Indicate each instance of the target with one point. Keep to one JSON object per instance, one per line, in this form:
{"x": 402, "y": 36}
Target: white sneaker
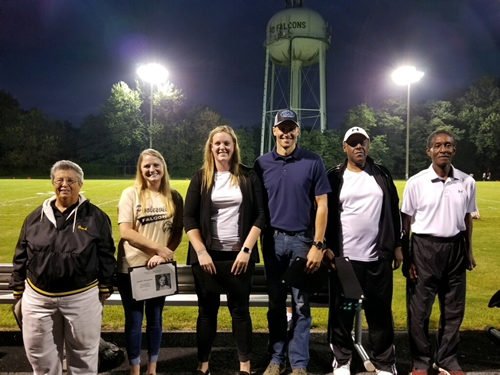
{"x": 343, "y": 370}
{"x": 380, "y": 372}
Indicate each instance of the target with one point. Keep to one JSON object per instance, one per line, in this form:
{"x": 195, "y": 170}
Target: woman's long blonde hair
{"x": 209, "y": 161}
{"x": 142, "y": 188}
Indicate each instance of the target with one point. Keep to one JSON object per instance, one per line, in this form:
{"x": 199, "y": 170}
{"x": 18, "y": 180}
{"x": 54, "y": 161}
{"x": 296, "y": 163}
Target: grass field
{"x": 19, "y": 197}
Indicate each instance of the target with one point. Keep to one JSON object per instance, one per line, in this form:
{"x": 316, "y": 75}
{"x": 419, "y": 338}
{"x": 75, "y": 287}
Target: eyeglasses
{"x": 69, "y": 181}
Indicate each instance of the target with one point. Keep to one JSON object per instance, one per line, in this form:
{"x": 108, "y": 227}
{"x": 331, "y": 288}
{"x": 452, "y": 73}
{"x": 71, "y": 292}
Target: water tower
{"x": 297, "y": 39}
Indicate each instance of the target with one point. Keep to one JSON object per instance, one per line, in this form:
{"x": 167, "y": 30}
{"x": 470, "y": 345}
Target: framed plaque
{"x": 154, "y": 282}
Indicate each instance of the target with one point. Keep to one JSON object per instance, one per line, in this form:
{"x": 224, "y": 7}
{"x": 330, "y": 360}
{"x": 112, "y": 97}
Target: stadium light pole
{"x": 154, "y": 74}
{"x": 406, "y": 75}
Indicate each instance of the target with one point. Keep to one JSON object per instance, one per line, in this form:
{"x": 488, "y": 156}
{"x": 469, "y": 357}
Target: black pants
{"x": 441, "y": 265}
{"x": 375, "y": 279}
{"x": 208, "y": 308}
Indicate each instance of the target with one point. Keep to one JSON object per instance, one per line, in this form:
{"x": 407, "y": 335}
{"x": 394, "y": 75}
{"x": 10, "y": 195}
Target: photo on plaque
{"x": 153, "y": 282}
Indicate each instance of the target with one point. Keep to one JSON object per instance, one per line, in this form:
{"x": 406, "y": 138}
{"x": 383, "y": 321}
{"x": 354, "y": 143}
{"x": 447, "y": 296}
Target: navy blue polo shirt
{"x": 291, "y": 184}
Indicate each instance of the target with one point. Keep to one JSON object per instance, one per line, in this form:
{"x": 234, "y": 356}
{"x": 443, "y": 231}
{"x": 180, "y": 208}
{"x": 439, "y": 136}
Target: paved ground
{"x": 479, "y": 355}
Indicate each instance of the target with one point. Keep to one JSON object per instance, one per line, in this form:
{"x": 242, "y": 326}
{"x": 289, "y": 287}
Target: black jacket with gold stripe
{"x": 66, "y": 260}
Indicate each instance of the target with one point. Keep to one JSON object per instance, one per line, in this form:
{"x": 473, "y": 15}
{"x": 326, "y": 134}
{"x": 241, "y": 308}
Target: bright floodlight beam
{"x": 154, "y": 74}
{"x": 406, "y": 75}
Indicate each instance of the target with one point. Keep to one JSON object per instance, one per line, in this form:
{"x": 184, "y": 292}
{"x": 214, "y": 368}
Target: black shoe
{"x": 242, "y": 373}
{"x": 199, "y": 372}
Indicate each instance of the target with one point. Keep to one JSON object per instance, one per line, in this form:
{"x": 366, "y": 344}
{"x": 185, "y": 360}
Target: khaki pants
{"x": 51, "y": 323}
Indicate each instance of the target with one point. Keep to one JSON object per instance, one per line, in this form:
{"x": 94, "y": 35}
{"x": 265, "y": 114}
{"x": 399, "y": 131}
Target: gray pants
{"x": 52, "y": 323}
{"x": 441, "y": 265}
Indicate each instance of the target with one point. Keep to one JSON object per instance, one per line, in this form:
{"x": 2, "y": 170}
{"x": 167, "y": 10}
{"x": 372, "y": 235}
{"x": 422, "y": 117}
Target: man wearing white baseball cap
{"x": 364, "y": 224}
{"x": 355, "y": 130}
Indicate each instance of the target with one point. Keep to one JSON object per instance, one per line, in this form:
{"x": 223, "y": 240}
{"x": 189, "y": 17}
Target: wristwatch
{"x": 320, "y": 245}
{"x": 246, "y": 250}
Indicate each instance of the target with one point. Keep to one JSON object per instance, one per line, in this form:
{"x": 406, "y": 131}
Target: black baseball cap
{"x": 285, "y": 115}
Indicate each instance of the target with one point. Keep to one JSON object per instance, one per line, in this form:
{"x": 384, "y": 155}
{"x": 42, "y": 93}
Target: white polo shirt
{"x": 436, "y": 206}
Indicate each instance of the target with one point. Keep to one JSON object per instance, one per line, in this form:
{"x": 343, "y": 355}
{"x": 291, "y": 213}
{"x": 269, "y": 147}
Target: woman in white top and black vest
{"x": 223, "y": 217}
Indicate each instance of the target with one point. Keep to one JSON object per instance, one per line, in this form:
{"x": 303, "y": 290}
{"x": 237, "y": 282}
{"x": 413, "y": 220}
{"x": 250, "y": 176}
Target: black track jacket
{"x": 68, "y": 260}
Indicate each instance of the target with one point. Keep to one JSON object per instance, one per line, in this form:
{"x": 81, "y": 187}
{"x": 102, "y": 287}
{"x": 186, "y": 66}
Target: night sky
{"x": 63, "y": 56}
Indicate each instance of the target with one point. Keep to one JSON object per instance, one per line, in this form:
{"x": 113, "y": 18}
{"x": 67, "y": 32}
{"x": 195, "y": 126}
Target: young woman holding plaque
{"x": 150, "y": 220}
{"x": 223, "y": 218}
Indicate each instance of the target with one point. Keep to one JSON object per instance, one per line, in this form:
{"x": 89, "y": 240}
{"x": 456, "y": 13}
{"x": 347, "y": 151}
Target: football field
{"x": 19, "y": 197}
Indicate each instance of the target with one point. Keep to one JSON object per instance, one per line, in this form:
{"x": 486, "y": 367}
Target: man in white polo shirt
{"x": 437, "y": 203}
{"x": 364, "y": 224}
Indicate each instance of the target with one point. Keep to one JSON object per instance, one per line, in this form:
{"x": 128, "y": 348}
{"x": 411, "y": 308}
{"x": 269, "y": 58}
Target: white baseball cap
{"x": 355, "y": 130}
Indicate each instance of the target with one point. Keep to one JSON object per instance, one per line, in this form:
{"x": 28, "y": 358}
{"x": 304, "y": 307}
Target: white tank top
{"x": 225, "y": 213}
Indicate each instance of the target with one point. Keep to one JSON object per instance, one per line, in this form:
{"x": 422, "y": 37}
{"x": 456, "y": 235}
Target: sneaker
{"x": 299, "y": 371}
{"x": 419, "y": 371}
{"x": 343, "y": 370}
{"x": 381, "y": 372}
{"x": 442, "y": 371}
{"x": 274, "y": 369}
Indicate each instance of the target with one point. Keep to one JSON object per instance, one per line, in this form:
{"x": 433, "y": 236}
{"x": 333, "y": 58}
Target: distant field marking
{"x": 487, "y": 200}
{"x": 37, "y": 195}
{"x": 104, "y": 203}
{"x": 82, "y": 192}
{"x": 22, "y": 199}
{"x": 100, "y": 186}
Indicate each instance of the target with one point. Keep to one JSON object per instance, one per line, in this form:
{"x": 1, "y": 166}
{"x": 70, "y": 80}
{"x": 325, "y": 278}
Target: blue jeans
{"x": 134, "y": 314}
{"x": 279, "y": 251}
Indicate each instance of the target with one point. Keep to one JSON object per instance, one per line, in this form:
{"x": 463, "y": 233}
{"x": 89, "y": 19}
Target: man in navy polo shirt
{"x": 437, "y": 206}
{"x": 295, "y": 196}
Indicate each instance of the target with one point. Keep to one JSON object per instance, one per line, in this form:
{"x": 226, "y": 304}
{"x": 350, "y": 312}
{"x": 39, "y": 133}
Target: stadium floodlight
{"x": 154, "y": 74}
{"x": 406, "y": 75}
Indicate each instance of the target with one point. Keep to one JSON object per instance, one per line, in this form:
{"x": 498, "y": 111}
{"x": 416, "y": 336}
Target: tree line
{"x": 108, "y": 143}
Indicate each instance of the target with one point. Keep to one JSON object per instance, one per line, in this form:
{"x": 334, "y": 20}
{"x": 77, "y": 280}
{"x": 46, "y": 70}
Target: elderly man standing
{"x": 295, "y": 189}
{"x": 437, "y": 203}
{"x": 363, "y": 224}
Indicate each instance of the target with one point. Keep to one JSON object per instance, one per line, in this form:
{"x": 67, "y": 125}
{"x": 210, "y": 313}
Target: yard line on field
{"x": 104, "y": 203}
{"x": 101, "y": 186}
{"x": 22, "y": 199}
{"x": 487, "y": 200}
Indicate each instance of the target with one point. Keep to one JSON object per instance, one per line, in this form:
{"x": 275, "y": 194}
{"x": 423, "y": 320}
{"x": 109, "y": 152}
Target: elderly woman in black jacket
{"x": 63, "y": 264}
{"x": 223, "y": 218}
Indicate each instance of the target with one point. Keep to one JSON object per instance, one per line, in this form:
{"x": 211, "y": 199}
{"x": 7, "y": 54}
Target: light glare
{"x": 406, "y": 75}
{"x": 152, "y": 73}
